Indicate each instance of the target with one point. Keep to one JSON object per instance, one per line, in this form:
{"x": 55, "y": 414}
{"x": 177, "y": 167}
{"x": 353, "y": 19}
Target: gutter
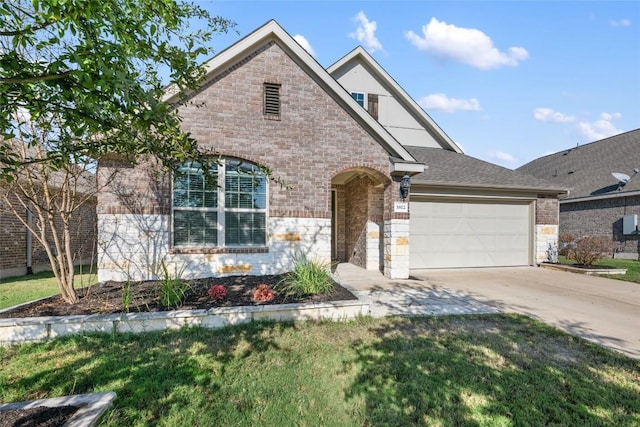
{"x": 29, "y": 242}
{"x": 603, "y": 197}
{"x": 545, "y": 190}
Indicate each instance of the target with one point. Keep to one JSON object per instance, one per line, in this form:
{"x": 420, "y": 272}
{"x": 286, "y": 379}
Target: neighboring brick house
{"x": 333, "y": 191}
{"x": 21, "y": 253}
{"x": 598, "y": 202}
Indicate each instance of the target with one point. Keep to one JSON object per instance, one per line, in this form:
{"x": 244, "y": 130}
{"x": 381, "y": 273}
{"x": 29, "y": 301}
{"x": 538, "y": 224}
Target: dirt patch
{"x": 41, "y": 416}
{"x": 107, "y": 298}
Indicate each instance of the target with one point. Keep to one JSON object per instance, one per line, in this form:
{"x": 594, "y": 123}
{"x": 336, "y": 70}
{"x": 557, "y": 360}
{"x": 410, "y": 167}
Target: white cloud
{"x": 610, "y": 116}
{"x": 302, "y": 41}
{"x": 366, "y": 33}
{"x": 620, "y": 23}
{"x": 549, "y": 115}
{"x": 503, "y": 157}
{"x": 465, "y": 45}
{"x": 600, "y": 129}
{"x": 440, "y": 101}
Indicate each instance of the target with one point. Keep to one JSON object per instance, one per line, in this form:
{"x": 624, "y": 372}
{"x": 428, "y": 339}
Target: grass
{"x": 308, "y": 277}
{"x": 20, "y": 289}
{"x": 632, "y": 266}
{"x": 497, "y": 370}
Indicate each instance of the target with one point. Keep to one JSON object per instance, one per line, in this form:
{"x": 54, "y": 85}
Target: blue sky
{"x": 508, "y": 81}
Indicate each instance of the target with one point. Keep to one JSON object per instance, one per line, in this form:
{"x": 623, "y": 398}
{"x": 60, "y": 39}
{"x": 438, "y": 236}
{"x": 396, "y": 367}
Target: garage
{"x": 469, "y": 233}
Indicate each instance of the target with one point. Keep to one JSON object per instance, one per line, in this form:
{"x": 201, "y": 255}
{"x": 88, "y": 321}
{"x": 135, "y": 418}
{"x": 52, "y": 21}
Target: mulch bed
{"x": 41, "y": 416}
{"x": 106, "y": 298}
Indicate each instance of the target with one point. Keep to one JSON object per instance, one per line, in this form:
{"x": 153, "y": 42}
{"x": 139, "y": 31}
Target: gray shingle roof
{"x": 450, "y": 168}
{"x": 586, "y": 169}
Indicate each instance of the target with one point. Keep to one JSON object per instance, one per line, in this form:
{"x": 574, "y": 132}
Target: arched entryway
{"x": 357, "y": 206}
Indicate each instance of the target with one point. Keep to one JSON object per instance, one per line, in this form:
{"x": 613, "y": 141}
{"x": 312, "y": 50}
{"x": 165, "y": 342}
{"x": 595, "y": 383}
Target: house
{"x": 20, "y": 251}
{"x": 599, "y": 203}
{"x": 358, "y": 173}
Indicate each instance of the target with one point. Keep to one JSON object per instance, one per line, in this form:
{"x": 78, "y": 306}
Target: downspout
{"x": 29, "y": 242}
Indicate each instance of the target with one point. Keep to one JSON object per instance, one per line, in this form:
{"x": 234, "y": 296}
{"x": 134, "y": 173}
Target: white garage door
{"x": 469, "y": 234}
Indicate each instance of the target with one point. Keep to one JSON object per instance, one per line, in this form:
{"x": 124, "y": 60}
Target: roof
{"x": 447, "y": 168}
{"x": 360, "y": 54}
{"x": 586, "y": 169}
{"x": 272, "y": 31}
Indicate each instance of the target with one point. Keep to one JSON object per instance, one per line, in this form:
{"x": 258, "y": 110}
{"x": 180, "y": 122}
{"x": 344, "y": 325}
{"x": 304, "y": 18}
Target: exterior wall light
{"x": 405, "y": 185}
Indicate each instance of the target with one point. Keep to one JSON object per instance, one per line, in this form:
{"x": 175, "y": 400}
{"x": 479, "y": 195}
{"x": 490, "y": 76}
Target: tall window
{"x": 226, "y": 208}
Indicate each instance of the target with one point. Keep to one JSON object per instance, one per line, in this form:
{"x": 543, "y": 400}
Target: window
{"x": 358, "y": 97}
{"x": 272, "y": 99}
{"x": 373, "y": 105}
{"x": 225, "y": 208}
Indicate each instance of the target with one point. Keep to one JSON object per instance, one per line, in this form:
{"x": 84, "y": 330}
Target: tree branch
{"x": 36, "y": 79}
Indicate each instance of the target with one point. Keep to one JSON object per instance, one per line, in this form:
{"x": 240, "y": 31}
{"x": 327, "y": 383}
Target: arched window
{"x": 226, "y": 208}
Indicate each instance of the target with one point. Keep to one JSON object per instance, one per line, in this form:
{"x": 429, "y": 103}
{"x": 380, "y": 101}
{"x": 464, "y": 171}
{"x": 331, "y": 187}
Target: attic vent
{"x": 272, "y": 100}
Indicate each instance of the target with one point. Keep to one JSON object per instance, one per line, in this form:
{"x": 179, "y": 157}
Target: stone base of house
{"x": 546, "y": 236}
{"x": 134, "y": 247}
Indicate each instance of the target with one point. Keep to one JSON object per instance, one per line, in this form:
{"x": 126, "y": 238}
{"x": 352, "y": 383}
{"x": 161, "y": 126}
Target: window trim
{"x": 221, "y": 246}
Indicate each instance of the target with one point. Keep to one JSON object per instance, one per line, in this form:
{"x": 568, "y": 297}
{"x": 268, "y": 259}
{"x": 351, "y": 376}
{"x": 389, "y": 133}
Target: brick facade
{"x": 13, "y": 241}
{"x": 602, "y": 218}
{"x": 314, "y": 140}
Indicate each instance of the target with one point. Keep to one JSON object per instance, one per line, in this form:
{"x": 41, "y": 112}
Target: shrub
{"x": 217, "y": 292}
{"x": 263, "y": 293}
{"x": 126, "y": 296}
{"x": 565, "y": 243}
{"x": 308, "y": 277}
{"x": 172, "y": 287}
{"x": 587, "y": 250}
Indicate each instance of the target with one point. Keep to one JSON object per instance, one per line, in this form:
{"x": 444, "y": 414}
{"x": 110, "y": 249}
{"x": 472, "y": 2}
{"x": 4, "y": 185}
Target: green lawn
{"x": 632, "y": 266}
{"x": 17, "y": 290}
{"x": 497, "y": 370}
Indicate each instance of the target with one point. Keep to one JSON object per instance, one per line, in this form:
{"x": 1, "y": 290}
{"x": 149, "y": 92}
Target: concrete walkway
{"x": 411, "y": 297}
{"x": 604, "y": 311}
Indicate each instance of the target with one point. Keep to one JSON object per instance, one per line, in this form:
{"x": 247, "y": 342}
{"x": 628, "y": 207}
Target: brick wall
{"x": 357, "y": 213}
{"x": 547, "y": 210}
{"x": 313, "y": 141}
{"x": 13, "y": 240}
{"x": 601, "y": 218}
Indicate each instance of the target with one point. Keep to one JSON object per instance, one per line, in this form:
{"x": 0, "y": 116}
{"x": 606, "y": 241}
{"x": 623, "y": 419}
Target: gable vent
{"x": 272, "y": 99}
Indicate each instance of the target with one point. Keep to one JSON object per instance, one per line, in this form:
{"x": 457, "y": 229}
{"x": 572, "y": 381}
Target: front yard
{"x": 632, "y": 266}
{"x": 496, "y": 370}
{"x": 21, "y": 289}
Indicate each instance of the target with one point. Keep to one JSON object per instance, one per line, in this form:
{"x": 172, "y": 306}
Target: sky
{"x": 508, "y": 81}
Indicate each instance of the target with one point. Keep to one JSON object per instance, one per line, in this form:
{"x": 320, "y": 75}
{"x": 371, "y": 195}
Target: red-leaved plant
{"x": 263, "y": 293}
{"x": 217, "y": 292}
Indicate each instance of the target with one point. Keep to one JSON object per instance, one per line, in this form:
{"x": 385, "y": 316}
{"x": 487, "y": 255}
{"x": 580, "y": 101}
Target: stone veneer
{"x": 396, "y": 248}
{"x": 140, "y": 243}
{"x": 547, "y": 219}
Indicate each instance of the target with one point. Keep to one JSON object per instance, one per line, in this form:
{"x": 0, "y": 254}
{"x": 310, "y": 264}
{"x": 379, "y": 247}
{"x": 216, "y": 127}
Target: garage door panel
{"x": 469, "y": 234}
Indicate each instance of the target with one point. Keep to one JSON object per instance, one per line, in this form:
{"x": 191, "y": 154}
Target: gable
{"x": 272, "y": 32}
{"x": 397, "y": 111}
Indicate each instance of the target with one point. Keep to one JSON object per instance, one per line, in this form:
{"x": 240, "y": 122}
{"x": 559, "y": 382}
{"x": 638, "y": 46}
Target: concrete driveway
{"x": 605, "y": 311}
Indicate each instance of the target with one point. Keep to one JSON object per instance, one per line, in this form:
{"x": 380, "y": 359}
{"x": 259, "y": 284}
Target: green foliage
{"x": 89, "y": 73}
{"x": 308, "y": 277}
{"x": 126, "y": 296}
{"x": 172, "y": 287}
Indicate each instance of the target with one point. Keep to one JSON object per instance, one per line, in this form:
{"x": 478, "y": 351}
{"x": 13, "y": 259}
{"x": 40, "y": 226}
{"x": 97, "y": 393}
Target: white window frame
{"x": 221, "y": 210}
